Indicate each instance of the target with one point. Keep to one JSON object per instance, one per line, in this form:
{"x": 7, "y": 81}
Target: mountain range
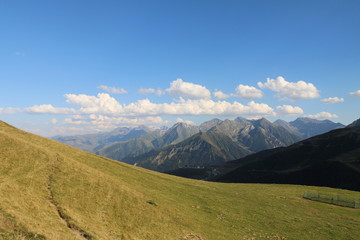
{"x": 307, "y": 127}
{"x": 227, "y": 140}
{"x": 213, "y": 142}
{"x": 331, "y": 159}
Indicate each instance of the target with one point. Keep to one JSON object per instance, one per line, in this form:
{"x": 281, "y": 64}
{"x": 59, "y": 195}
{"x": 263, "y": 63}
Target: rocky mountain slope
{"x": 147, "y": 142}
{"x": 227, "y": 140}
{"x": 213, "y": 142}
{"x": 331, "y": 159}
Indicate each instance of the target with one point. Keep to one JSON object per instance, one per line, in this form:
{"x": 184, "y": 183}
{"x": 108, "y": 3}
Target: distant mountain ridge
{"x": 212, "y": 142}
{"x": 330, "y": 159}
{"x": 309, "y": 127}
{"x": 92, "y": 142}
{"x": 226, "y": 140}
{"x": 199, "y": 150}
{"x": 147, "y": 142}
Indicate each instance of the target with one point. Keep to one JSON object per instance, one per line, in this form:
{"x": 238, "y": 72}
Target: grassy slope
{"x": 105, "y": 199}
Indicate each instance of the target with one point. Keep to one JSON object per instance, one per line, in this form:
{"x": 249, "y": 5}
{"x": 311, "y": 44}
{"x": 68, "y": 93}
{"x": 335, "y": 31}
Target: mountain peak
{"x": 205, "y": 126}
{"x": 179, "y": 125}
{"x": 242, "y": 120}
{"x": 179, "y": 132}
{"x": 261, "y": 122}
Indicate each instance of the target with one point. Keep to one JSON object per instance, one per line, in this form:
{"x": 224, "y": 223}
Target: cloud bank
{"x": 103, "y": 111}
{"x": 105, "y": 104}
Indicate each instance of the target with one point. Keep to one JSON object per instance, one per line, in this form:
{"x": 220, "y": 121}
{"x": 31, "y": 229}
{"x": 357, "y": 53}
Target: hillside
{"x": 52, "y": 191}
{"x": 331, "y": 159}
{"x": 200, "y": 150}
{"x": 261, "y": 134}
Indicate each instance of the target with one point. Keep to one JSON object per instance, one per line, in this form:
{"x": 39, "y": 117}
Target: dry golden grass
{"x": 52, "y": 191}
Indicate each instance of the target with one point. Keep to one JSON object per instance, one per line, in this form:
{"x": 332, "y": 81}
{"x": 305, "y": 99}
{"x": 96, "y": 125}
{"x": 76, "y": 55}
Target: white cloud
{"x": 102, "y": 103}
{"x": 105, "y": 104}
{"x": 180, "y": 120}
{"x": 322, "y": 115}
{"x": 181, "y": 89}
{"x": 196, "y": 107}
{"x": 220, "y": 95}
{"x": 113, "y": 89}
{"x": 355, "y": 94}
{"x": 290, "y": 90}
{"x": 49, "y": 109}
{"x": 332, "y": 100}
{"x": 288, "y": 109}
{"x": 159, "y": 92}
{"x": 248, "y": 92}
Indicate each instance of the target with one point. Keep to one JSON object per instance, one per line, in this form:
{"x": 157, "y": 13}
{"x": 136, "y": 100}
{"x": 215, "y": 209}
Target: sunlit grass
{"x": 111, "y": 200}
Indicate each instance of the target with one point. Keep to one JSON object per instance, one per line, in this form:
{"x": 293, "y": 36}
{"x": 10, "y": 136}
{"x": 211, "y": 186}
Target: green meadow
{"x": 52, "y": 191}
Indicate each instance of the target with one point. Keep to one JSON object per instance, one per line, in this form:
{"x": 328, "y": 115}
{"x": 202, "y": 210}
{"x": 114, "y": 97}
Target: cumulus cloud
{"x": 290, "y": 90}
{"x": 49, "y": 109}
{"x": 288, "y": 110}
{"x": 113, "y": 89}
{"x": 322, "y": 115}
{"x": 181, "y": 89}
{"x": 220, "y": 95}
{"x": 355, "y": 94}
{"x": 332, "y": 100}
{"x": 159, "y": 92}
{"x": 102, "y": 103}
{"x": 248, "y": 92}
{"x": 196, "y": 107}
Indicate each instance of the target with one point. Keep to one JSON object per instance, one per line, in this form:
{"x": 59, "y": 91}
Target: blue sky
{"x": 71, "y": 67}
